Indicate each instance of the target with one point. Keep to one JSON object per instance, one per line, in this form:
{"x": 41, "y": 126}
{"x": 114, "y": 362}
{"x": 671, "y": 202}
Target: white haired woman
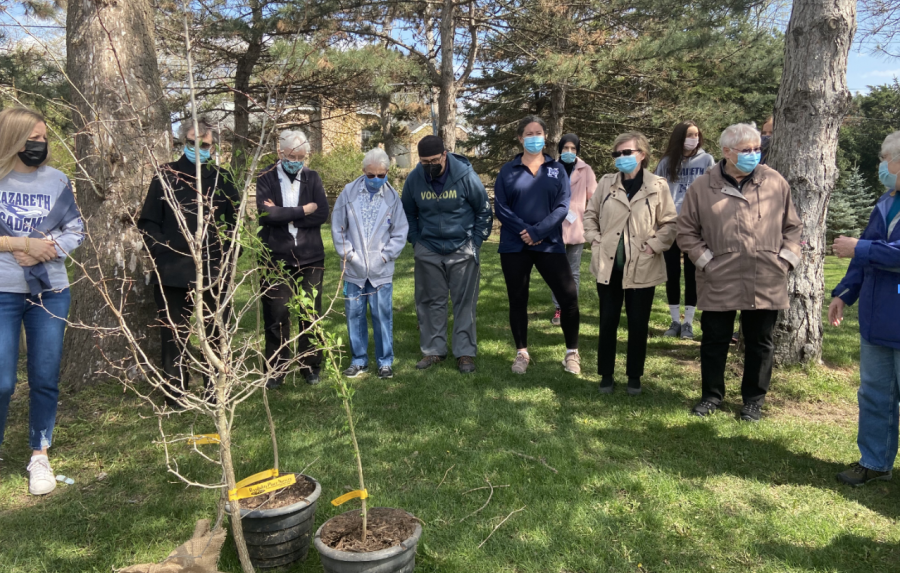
{"x": 369, "y": 230}
{"x": 292, "y": 206}
{"x": 739, "y": 227}
{"x": 873, "y": 272}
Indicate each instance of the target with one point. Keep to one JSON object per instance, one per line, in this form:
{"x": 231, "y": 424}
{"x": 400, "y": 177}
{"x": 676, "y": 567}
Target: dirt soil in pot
{"x": 386, "y": 528}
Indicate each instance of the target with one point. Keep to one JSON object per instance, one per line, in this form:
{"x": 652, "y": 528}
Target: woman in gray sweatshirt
{"x": 683, "y": 162}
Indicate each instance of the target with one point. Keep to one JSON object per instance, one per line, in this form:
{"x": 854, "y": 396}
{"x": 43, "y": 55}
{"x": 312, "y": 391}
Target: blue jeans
{"x": 879, "y": 405}
{"x": 379, "y": 301}
{"x": 44, "y": 317}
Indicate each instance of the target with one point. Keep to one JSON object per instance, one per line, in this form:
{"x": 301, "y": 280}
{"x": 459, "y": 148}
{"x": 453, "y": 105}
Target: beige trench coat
{"x": 743, "y": 243}
{"x": 647, "y": 220}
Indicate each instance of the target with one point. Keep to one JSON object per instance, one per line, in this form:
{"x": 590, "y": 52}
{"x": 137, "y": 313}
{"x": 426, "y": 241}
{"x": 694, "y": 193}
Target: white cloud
{"x": 882, "y": 74}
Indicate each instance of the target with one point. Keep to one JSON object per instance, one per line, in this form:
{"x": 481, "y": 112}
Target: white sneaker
{"x": 40, "y": 477}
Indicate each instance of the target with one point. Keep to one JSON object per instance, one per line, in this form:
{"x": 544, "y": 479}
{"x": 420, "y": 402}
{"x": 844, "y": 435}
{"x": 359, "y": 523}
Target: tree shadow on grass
{"x": 845, "y": 554}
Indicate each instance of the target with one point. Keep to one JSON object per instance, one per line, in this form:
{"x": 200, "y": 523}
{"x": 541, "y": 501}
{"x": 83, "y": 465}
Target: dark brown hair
{"x": 675, "y": 149}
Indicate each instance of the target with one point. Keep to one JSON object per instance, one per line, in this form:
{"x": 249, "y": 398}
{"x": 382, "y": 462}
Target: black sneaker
{"x": 385, "y": 372}
{"x": 858, "y": 475}
{"x": 273, "y": 383}
{"x": 751, "y": 412}
{"x": 313, "y": 378}
{"x": 704, "y": 408}
{"x": 634, "y": 386}
{"x": 606, "y": 385}
{"x": 355, "y": 371}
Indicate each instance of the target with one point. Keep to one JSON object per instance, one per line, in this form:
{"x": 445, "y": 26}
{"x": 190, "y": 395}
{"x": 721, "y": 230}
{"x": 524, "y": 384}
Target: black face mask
{"x": 35, "y": 153}
{"x": 433, "y": 171}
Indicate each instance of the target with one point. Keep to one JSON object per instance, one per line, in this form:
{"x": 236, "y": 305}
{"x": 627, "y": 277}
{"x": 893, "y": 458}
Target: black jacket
{"x": 308, "y": 247}
{"x": 162, "y": 235}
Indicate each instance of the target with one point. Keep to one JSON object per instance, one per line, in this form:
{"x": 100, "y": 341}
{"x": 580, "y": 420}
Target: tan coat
{"x": 647, "y": 220}
{"x": 583, "y": 183}
{"x": 742, "y": 242}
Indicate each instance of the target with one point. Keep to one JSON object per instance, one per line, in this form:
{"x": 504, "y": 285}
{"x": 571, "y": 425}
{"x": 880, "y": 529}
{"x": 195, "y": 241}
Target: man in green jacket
{"x": 449, "y": 218}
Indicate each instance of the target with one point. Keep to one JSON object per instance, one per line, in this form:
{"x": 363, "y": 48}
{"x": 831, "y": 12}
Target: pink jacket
{"x": 583, "y": 183}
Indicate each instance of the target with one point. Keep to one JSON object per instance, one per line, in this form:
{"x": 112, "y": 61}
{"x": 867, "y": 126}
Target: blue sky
{"x": 864, "y": 70}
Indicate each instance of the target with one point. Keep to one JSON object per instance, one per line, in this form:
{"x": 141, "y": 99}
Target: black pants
{"x": 277, "y": 316}
{"x": 673, "y": 284}
{"x": 638, "y": 304}
{"x": 759, "y": 343}
{"x": 175, "y": 309}
{"x": 556, "y": 272}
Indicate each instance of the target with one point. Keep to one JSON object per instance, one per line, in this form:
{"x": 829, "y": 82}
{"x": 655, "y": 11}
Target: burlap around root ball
{"x": 200, "y": 554}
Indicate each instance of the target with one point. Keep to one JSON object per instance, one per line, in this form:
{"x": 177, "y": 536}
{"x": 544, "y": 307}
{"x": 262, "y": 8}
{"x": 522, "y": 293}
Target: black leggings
{"x": 638, "y": 305}
{"x": 673, "y": 283}
{"x": 556, "y": 272}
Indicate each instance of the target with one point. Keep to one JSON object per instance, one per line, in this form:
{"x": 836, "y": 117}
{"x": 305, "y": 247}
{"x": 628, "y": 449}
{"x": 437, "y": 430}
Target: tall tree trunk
{"x": 387, "y": 126}
{"x": 812, "y": 102}
{"x": 557, "y": 116}
{"x": 448, "y": 87}
{"x": 243, "y": 74}
{"x": 120, "y": 118}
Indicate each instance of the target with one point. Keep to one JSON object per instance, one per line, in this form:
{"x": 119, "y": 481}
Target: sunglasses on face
{"x": 374, "y": 175}
{"x": 193, "y": 144}
{"x": 625, "y": 152}
{"x": 750, "y": 150}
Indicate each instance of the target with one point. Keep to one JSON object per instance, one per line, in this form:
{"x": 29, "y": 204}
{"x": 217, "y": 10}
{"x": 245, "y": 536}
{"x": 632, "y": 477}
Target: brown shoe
{"x": 429, "y": 361}
{"x": 466, "y": 364}
{"x": 520, "y": 364}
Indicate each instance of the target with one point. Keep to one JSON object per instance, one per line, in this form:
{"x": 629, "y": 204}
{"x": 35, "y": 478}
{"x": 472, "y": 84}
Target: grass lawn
{"x": 640, "y": 485}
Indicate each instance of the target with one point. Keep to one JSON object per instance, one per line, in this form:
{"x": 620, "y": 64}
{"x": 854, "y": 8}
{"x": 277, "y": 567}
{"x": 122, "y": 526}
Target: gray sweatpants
{"x": 573, "y": 253}
{"x": 457, "y": 273}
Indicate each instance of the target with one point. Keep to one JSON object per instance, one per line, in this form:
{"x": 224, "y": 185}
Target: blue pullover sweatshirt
{"x": 538, "y": 203}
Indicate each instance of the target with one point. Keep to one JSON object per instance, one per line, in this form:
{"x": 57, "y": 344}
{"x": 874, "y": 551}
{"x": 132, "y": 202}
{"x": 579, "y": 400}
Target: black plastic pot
{"x": 397, "y": 559}
{"x": 279, "y": 537}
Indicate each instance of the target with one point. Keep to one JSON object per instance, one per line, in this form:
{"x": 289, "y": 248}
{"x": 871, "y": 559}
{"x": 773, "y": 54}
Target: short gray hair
{"x": 890, "y": 149}
{"x": 377, "y": 156}
{"x": 204, "y": 125}
{"x": 737, "y": 134}
{"x": 293, "y": 140}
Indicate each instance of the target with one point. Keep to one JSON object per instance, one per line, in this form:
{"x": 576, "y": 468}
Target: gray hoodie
{"x": 691, "y": 168}
{"x": 369, "y": 258}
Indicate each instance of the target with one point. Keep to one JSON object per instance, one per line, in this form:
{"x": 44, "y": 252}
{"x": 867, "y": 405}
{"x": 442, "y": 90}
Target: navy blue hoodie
{"x": 538, "y": 203}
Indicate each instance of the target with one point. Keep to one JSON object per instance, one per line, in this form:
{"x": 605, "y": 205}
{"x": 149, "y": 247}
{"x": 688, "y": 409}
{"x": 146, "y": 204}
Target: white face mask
{"x": 691, "y": 143}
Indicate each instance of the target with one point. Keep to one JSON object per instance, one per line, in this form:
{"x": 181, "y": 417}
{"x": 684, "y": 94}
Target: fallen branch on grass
{"x": 485, "y": 503}
{"x": 532, "y": 458}
{"x": 499, "y": 524}
{"x": 445, "y": 476}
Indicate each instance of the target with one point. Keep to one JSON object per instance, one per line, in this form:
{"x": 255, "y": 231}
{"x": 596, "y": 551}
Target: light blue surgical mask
{"x": 291, "y": 167}
{"x": 567, "y": 157}
{"x": 747, "y": 162}
{"x": 887, "y": 178}
{"x": 373, "y": 185}
{"x": 189, "y": 152}
{"x": 534, "y": 144}
{"x": 626, "y": 163}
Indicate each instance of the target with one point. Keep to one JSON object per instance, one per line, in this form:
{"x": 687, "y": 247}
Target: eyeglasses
{"x": 375, "y": 175}
{"x": 625, "y": 152}
{"x": 436, "y": 161}
{"x": 750, "y": 150}
{"x": 193, "y": 145}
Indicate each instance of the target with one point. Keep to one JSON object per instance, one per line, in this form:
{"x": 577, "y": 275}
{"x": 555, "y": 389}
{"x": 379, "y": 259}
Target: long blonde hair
{"x": 16, "y": 125}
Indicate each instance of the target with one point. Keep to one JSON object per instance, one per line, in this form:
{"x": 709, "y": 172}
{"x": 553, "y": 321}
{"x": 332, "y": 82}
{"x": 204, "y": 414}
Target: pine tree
{"x": 850, "y": 207}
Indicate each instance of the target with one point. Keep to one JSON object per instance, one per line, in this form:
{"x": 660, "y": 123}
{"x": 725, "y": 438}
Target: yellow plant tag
{"x": 360, "y": 493}
{"x": 264, "y": 487}
{"x": 200, "y": 439}
{"x": 255, "y": 478}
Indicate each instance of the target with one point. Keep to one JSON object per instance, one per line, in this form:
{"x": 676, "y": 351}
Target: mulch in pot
{"x": 282, "y": 497}
{"x": 386, "y": 528}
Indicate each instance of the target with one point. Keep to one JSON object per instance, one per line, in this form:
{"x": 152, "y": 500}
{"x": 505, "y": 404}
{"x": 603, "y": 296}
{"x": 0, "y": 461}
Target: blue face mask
{"x": 205, "y": 154}
{"x": 373, "y": 185}
{"x": 291, "y": 167}
{"x": 747, "y": 162}
{"x": 534, "y": 144}
{"x": 887, "y": 178}
{"x": 567, "y": 157}
{"x": 626, "y": 163}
